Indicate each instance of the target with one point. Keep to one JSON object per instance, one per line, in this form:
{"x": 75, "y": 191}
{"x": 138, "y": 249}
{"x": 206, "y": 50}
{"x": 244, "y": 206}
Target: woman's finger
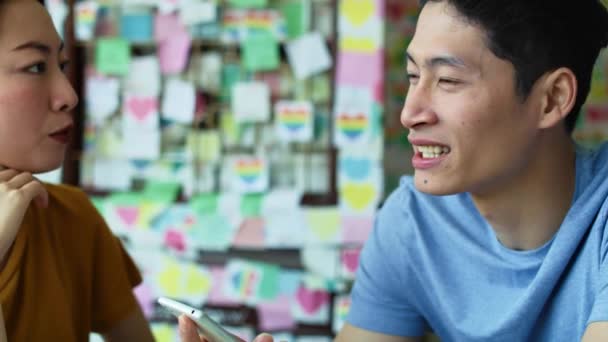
{"x": 7, "y": 174}
{"x": 36, "y": 191}
{"x": 20, "y": 180}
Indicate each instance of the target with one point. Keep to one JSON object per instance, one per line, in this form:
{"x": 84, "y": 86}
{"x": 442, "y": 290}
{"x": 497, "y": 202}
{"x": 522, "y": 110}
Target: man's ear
{"x": 558, "y": 91}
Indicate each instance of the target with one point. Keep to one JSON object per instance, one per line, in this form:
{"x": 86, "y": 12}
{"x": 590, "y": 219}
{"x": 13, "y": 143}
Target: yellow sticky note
{"x": 358, "y": 196}
{"x": 198, "y": 282}
{"x": 324, "y": 222}
{"x": 357, "y": 12}
{"x": 170, "y": 279}
{"x": 163, "y": 332}
{"x": 205, "y": 145}
{"x": 353, "y": 44}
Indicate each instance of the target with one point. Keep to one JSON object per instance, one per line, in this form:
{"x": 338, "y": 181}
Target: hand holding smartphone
{"x": 212, "y": 330}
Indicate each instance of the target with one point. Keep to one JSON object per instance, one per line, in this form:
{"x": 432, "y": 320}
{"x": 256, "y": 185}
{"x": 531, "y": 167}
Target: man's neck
{"x": 526, "y": 211}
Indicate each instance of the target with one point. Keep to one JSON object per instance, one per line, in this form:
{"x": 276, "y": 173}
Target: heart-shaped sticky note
{"x": 142, "y": 107}
{"x": 357, "y": 12}
{"x": 128, "y": 215}
{"x": 356, "y": 168}
{"x": 352, "y": 126}
{"x": 311, "y": 300}
{"x": 358, "y": 196}
{"x": 324, "y": 223}
{"x": 350, "y": 259}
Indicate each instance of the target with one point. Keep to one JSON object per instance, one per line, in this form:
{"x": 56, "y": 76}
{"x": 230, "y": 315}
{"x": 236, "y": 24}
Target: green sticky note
{"x": 297, "y": 17}
{"x": 251, "y": 205}
{"x": 204, "y": 204}
{"x": 260, "y": 52}
{"x": 99, "y": 203}
{"x": 269, "y": 286}
{"x": 248, "y": 3}
{"x": 213, "y": 232}
{"x": 161, "y": 191}
{"x": 231, "y": 74}
{"x": 125, "y": 198}
{"x": 112, "y": 56}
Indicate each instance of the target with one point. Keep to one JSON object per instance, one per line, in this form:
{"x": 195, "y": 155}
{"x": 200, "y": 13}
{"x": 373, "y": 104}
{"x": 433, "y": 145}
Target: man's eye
{"x": 412, "y": 77}
{"x": 449, "y": 81}
{"x": 37, "y": 68}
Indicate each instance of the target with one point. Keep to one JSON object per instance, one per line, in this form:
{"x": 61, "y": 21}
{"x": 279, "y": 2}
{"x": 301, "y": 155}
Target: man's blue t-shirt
{"x": 434, "y": 263}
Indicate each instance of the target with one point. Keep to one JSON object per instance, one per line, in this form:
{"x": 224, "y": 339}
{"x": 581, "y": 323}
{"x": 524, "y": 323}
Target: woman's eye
{"x": 412, "y": 78}
{"x": 37, "y": 68}
{"x": 64, "y": 65}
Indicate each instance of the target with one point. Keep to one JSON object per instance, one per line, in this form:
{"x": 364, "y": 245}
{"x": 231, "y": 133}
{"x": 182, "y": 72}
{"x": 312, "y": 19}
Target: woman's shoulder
{"x": 71, "y": 203}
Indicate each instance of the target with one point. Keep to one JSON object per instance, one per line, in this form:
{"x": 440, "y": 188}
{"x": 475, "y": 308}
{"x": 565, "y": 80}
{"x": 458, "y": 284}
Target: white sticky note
{"x": 144, "y": 76}
{"x": 179, "y": 101}
{"x": 101, "y": 97}
{"x": 209, "y": 71}
{"x": 141, "y": 144}
{"x": 308, "y": 55}
{"x": 140, "y": 112}
{"x": 196, "y": 11}
{"x": 294, "y": 120}
{"x": 111, "y": 174}
{"x": 251, "y": 102}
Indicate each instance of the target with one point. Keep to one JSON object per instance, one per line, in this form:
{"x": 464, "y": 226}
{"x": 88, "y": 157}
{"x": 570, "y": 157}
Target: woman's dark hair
{"x": 538, "y": 36}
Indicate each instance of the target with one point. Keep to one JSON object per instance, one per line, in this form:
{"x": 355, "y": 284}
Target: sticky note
{"x": 260, "y": 52}
{"x": 251, "y": 204}
{"x": 308, "y": 55}
{"x": 161, "y": 191}
{"x": 248, "y": 3}
{"x": 297, "y": 17}
{"x": 179, "y": 101}
{"x": 112, "y": 56}
{"x": 204, "y": 203}
{"x": 136, "y": 26}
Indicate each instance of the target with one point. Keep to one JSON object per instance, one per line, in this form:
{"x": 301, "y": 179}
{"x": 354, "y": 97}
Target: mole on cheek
{"x": 426, "y": 181}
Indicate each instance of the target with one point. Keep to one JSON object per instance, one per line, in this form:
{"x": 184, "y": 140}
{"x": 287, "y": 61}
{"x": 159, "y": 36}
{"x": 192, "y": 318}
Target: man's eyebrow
{"x": 437, "y": 61}
{"x": 44, "y": 48}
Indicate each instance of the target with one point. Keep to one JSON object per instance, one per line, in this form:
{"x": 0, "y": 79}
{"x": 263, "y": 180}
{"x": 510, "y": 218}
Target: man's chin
{"x": 430, "y": 186}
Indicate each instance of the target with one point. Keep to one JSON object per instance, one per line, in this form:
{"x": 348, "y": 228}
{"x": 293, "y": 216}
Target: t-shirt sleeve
{"x": 599, "y": 312}
{"x": 114, "y": 276}
{"x": 379, "y": 298}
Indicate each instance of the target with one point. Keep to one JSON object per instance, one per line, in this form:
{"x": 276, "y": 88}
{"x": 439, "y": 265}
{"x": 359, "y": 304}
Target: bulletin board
{"x": 236, "y": 147}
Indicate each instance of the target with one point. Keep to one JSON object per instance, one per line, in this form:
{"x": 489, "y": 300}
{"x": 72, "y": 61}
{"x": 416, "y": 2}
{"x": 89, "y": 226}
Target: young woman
{"x": 62, "y": 272}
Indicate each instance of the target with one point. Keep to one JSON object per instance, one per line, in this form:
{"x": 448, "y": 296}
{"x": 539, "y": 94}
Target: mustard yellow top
{"x": 67, "y": 274}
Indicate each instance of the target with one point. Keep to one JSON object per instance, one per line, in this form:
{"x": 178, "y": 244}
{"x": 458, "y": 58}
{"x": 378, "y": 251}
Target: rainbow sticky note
{"x": 294, "y": 120}
{"x": 250, "y": 175}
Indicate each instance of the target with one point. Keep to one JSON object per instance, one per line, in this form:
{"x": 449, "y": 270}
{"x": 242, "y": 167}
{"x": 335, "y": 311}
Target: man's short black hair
{"x": 538, "y": 36}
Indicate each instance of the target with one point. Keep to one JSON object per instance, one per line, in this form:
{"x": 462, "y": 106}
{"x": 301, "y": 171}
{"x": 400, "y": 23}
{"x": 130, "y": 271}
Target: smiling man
{"x": 501, "y": 234}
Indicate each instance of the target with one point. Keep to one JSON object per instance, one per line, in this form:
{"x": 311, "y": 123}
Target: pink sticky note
{"x": 128, "y": 215}
{"x": 216, "y": 295}
{"x": 250, "y": 234}
{"x": 275, "y": 315}
{"x": 349, "y": 259}
{"x": 359, "y": 69}
{"x": 173, "y": 53}
{"x": 355, "y": 229}
{"x": 165, "y": 26}
{"x": 145, "y": 297}
{"x": 311, "y": 300}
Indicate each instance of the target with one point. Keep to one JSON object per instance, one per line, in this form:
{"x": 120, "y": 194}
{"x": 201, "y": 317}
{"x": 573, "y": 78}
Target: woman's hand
{"x": 17, "y": 190}
{"x": 188, "y": 332}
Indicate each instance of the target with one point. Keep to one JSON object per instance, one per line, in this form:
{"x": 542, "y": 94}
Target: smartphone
{"x": 212, "y": 330}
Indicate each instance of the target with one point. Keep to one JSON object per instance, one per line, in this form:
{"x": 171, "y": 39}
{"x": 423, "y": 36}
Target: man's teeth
{"x": 432, "y": 151}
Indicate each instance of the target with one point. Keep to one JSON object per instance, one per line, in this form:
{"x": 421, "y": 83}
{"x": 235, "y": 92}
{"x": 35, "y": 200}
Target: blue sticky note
{"x": 137, "y": 27}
